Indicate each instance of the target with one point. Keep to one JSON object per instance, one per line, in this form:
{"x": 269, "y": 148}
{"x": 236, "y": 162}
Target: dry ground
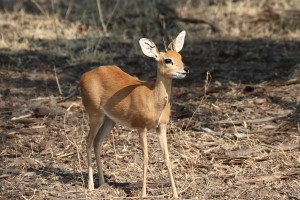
{"x": 235, "y": 129}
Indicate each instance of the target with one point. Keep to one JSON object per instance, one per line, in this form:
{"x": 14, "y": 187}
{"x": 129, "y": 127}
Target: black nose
{"x": 186, "y": 69}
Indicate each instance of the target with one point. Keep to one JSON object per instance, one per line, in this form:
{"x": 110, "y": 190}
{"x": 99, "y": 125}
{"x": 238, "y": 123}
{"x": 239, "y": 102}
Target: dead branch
{"x": 69, "y": 96}
{"x": 168, "y": 13}
{"x": 293, "y": 81}
{"x": 269, "y": 178}
{"x": 20, "y": 117}
{"x": 250, "y": 121}
{"x": 213, "y": 27}
{"x": 264, "y": 147}
{"x": 220, "y": 134}
{"x": 288, "y": 147}
{"x": 66, "y": 155}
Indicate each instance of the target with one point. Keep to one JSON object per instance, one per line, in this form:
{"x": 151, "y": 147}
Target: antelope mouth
{"x": 180, "y": 75}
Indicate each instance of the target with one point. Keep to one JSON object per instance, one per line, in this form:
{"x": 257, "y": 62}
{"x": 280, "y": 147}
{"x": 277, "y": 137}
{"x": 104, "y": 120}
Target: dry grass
{"x": 249, "y": 59}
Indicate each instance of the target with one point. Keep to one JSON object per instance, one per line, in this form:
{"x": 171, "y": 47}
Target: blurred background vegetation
{"x": 127, "y": 21}
{"x": 92, "y": 32}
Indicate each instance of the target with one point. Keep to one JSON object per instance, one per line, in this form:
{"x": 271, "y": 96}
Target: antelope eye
{"x": 168, "y": 61}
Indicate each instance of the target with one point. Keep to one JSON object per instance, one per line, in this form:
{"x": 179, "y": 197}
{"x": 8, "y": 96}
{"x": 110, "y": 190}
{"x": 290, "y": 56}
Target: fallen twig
{"x": 68, "y": 97}
{"x": 46, "y": 98}
{"x": 269, "y": 178}
{"x": 220, "y": 134}
{"x": 21, "y": 117}
{"x": 250, "y": 121}
{"x": 213, "y": 27}
{"x": 288, "y": 147}
{"x": 293, "y": 81}
{"x": 246, "y": 152}
{"x": 66, "y": 155}
{"x": 72, "y": 105}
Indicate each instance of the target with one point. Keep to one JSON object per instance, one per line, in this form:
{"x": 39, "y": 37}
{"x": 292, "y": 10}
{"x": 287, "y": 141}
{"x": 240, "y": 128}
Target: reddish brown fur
{"x": 120, "y": 97}
{"x": 112, "y": 96}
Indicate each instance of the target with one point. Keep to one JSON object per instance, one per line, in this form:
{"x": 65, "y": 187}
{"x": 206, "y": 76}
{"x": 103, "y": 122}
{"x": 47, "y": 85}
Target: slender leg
{"x": 96, "y": 122}
{"x": 162, "y": 131}
{"x": 143, "y": 141}
{"x": 104, "y": 131}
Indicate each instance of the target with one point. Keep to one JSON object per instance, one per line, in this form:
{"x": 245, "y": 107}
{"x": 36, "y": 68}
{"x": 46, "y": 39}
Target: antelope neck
{"x": 162, "y": 90}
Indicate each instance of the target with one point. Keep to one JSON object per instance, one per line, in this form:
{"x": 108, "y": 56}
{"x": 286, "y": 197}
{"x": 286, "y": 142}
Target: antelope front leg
{"x": 143, "y": 141}
{"x": 162, "y": 131}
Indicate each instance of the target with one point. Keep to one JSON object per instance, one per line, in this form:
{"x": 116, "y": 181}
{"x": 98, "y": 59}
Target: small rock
{"x": 260, "y": 101}
{"x": 42, "y": 111}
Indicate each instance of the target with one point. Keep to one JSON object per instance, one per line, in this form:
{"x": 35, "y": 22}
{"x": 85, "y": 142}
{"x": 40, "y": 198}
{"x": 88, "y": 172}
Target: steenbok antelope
{"x": 112, "y": 96}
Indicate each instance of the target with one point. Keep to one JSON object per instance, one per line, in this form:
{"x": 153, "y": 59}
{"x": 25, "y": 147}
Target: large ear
{"x": 177, "y": 44}
{"x": 149, "y": 48}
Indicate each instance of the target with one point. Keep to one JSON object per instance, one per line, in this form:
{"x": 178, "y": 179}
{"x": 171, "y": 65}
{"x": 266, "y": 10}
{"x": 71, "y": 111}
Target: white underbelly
{"x": 117, "y": 120}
